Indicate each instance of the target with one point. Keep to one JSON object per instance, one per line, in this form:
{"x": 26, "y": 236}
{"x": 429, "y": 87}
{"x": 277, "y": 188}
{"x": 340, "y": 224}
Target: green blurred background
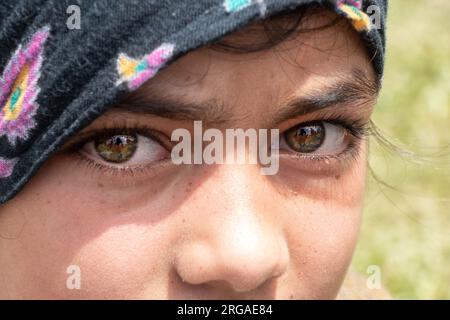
{"x": 406, "y": 228}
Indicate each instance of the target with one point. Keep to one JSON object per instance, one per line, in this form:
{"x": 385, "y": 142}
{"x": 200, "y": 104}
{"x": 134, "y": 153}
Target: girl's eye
{"x": 125, "y": 149}
{"x": 318, "y": 138}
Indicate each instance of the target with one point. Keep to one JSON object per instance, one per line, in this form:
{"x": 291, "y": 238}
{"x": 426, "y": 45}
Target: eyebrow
{"x": 354, "y": 88}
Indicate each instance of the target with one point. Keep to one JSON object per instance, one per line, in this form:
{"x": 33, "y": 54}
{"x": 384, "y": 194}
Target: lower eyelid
{"x": 120, "y": 176}
{"x": 324, "y": 164}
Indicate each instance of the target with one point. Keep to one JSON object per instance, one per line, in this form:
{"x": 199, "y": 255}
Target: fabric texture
{"x": 55, "y": 80}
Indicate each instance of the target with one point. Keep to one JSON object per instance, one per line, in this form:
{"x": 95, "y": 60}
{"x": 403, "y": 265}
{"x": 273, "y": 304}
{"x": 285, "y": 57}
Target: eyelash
{"x": 356, "y": 129}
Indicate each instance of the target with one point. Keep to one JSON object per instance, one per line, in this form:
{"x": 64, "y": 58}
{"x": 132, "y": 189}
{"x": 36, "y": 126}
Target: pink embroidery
{"x": 136, "y": 71}
{"x": 355, "y": 3}
{"x": 19, "y": 89}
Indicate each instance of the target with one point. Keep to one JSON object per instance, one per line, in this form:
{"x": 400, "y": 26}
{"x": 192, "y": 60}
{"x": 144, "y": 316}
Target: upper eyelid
{"x": 358, "y": 129}
{"x": 332, "y": 113}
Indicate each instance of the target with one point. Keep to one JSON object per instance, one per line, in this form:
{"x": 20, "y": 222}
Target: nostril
{"x": 249, "y": 283}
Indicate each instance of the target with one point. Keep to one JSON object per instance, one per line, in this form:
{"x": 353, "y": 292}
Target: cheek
{"x": 125, "y": 261}
{"x": 117, "y": 256}
{"x": 321, "y": 248}
{"x": 64, "y": 184}
{"x": 322, "y": 231}
{"x": 53, "y": 224}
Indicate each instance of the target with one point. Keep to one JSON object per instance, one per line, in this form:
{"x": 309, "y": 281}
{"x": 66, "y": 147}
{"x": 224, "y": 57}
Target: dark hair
{"x": 277, "y": 28}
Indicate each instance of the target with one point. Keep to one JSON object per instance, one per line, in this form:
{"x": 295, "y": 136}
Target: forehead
{"x": 324, "y": 49}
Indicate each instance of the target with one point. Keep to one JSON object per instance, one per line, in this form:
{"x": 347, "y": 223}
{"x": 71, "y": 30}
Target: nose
{"x": 237, "y": 239}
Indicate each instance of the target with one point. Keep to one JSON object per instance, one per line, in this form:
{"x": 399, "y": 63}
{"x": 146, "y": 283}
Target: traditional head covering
{"x": 56, "y": 78}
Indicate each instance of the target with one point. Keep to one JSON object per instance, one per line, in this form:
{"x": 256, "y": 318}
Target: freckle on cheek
{"x": 189, "y": 187}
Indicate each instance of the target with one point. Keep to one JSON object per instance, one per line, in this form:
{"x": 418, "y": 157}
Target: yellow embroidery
{"x": 359, "y": 19}
{"x": 14, "y": 104}
{"x": 127, "y": 66}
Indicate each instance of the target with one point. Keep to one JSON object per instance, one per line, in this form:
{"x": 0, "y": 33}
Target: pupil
{"x": 118, "y": 140}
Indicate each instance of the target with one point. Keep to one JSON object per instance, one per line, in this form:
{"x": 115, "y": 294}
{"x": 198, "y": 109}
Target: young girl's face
{"x": 135, "y": 225}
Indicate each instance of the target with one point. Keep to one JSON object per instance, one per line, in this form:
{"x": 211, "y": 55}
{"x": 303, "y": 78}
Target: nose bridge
{"x": 239, "y": 241}
{"x": 240, "y": 185}
{"x": 236, "y": 194}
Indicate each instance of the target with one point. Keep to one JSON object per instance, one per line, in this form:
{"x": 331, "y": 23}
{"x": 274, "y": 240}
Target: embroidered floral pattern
{"x": 352, "y": 9}
{"x": 136, "y": 71}
{"x": 19, "y": 89}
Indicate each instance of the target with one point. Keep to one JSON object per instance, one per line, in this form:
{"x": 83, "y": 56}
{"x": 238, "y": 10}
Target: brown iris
{"x": 305, "y": 138}
{"x": 116, "y": 148}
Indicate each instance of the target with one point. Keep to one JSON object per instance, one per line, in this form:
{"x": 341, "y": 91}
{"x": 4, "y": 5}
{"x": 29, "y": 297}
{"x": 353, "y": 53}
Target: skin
{"x": 202, "y": 231}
